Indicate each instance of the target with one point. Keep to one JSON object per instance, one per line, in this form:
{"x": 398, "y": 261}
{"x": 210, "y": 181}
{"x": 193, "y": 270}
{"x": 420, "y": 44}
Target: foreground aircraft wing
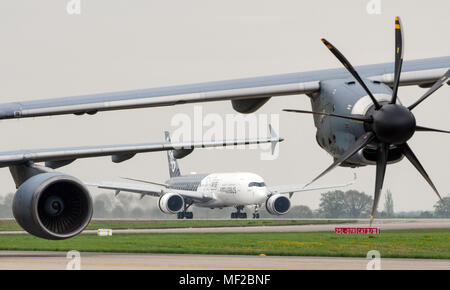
{"x": 291, "y": 189}
{"x": 58, "y": 157}
{"x": 147, "y": 189}
{"x": 416, "y": 72}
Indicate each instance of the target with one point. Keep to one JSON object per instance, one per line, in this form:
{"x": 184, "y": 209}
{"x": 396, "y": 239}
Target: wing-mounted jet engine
{"x": 171, "y": 203}
{"x": 50, "y": 204}
{"x": 278, "y": 204}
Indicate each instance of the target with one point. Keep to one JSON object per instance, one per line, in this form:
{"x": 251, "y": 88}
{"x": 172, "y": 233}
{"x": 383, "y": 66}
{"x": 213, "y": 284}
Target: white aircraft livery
{"x": 215, "y": 190}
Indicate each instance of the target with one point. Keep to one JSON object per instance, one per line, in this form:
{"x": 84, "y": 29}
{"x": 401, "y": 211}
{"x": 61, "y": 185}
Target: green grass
{"x": 11, "y": 225}
{"x": 393, "y": 244}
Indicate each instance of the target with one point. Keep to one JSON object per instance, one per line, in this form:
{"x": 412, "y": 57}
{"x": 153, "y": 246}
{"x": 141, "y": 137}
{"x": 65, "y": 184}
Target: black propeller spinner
{"x": 386, "y": 124}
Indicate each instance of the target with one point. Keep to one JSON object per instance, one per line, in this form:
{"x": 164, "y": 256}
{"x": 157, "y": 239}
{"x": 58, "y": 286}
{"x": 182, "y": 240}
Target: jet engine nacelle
{"x": 52, "y": 206}
{"x": 278, "y": 204}
{"x": 171, "y": 203}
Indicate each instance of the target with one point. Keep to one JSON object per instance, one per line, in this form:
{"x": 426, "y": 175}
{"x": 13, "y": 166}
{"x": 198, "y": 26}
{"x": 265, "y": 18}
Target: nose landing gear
{"x": 256, "y": 213}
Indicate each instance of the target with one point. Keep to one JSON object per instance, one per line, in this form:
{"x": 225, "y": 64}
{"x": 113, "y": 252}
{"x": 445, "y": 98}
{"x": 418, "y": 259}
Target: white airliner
{"x": 216, "y": 190}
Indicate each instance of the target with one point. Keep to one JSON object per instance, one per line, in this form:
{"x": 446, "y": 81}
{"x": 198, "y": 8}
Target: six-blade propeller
{"x": 389, "y": 124}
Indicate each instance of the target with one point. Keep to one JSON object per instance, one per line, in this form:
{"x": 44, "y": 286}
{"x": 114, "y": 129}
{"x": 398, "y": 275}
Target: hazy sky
{"x": 123, "y": 45}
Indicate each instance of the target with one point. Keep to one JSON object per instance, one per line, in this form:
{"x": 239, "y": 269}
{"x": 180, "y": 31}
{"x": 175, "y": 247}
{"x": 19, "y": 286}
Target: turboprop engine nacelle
{"x": 278, "y": 204}
{"x": 52, "y": 206}
{"x": 171, "y": 203}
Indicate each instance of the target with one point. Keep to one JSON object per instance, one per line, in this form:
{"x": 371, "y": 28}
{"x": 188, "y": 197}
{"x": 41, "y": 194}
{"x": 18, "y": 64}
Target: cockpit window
{"x": 257, "y": 184}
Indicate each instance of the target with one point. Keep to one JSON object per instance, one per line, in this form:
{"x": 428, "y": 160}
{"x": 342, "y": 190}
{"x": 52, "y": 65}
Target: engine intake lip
{"x": 77, "y": 208}
{"x": 278, "y": 204}
{"x": 30, "y": 201}
{"x": 369, "y": 155}
{"x": 171, "y": 203}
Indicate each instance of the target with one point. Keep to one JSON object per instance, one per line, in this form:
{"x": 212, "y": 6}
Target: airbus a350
{"x": 215, "y": 190}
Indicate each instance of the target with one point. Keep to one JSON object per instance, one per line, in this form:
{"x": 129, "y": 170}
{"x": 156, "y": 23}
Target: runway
{"x": 391, "y": 224}
{"x": 58, "y": 260}
{"x": 383, "y": 224}
{"x": 109, "y": 261}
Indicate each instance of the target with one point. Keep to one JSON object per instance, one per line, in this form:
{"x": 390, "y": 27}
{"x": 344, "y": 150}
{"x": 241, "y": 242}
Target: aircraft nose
{"x": 261, "y": 193}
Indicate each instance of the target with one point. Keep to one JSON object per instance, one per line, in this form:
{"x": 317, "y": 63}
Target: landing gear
{"x": 256, "y": 213}
{"x": 185, "y": 214}
{"x": 238, "y": 214}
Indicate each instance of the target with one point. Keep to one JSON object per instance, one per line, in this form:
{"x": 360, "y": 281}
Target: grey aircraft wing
{"x": 292, "y": 188}
{"x": 253, "y": 92}
{"x": 151, "y": 190}
{"x": 58, "y": 157}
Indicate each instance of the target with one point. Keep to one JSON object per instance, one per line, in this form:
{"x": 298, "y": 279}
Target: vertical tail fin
{"x": 174, "y": 170}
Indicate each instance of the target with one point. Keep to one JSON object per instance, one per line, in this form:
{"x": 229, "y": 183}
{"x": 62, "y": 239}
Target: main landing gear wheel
{"x": 238, "y": 214}
{"x": 185, "y": 214}
{"x": 188, "y": 215}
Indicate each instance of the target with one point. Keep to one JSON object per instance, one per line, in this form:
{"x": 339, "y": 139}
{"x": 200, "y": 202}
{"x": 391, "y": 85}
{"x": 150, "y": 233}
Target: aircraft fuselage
{"x": 224, "y": 189}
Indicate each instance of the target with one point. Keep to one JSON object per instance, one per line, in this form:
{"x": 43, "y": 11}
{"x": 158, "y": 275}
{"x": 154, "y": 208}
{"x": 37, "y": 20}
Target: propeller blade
{"x": 398, "y": 58}
{"x": 350, "y": 68}
{"x": 425, "y": 129}
{"x": 360, "y": 119}
{"x": 434, "y": 88}
{"x": 382, "y": 157}
{"x": 359, "y": 144}
{"x": 413, "y": 159}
